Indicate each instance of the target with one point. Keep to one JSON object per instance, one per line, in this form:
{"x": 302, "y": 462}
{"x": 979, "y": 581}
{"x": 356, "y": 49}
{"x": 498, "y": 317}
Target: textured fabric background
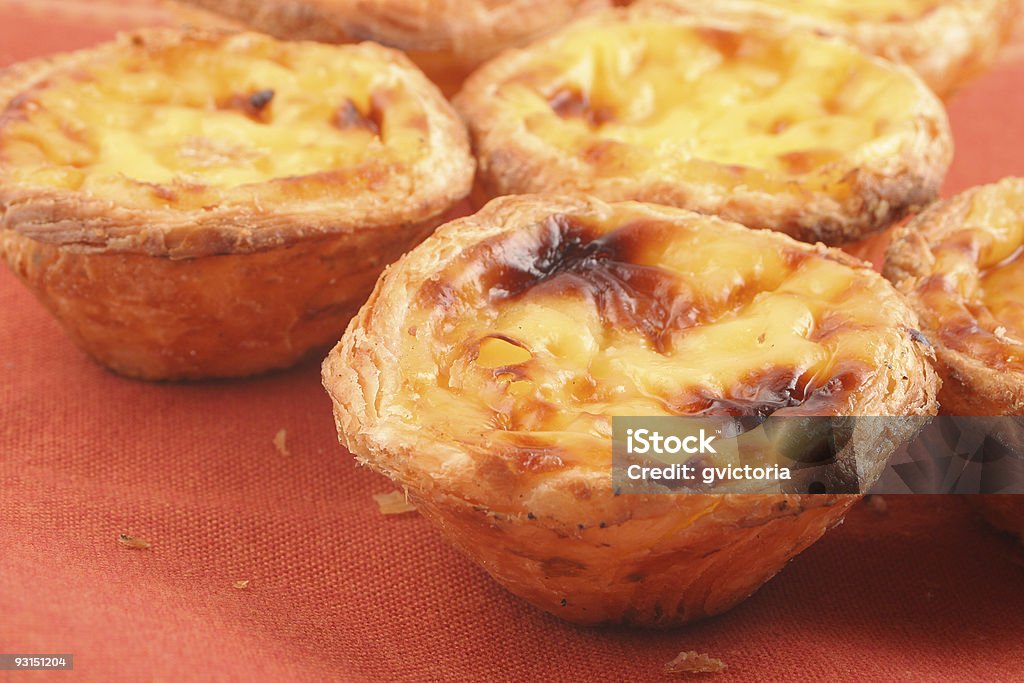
{"x": 339, "y": 592}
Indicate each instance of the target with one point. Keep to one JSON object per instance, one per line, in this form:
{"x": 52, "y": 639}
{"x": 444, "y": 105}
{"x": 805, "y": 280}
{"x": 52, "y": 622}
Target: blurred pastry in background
{"x": 960, "y": 264}
{"x": 791, "y": 132}
{"x": 945, "y": 41}
{"x": 445, "y": 38}
{"x": 194, "y": 205}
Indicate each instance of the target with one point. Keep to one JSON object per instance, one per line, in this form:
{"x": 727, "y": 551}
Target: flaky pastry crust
{"x": 795, "y": 133}
{"x": 959, "y": 265}
{"x": 945, "y": 41}
{"x": 483, "y": 372}
{"x": 445, "y": 38}
{"x": 194, "y": 204}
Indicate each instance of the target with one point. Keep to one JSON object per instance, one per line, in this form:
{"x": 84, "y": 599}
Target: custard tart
{"x": 484, "y": 372}
{"x": 945, "y": 41}
{"x": 960, "y": 265}
{"x": 197, "y": 205}
{"x": 796, "y": 133}
{"x": 445, "y": 38}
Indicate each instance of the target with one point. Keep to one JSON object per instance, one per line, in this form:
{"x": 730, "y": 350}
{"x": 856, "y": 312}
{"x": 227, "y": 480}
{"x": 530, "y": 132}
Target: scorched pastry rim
{"x": 388, "y": 151}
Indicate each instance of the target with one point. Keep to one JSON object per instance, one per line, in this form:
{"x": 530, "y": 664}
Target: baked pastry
{"x": 445, "y": 38}
{"x": 959, "y": 262}
{"x": 197, "y": 205}
{"x": 795, "y": 133}
{"x": 945, "y": 41}
{"x": 484, "y": 370}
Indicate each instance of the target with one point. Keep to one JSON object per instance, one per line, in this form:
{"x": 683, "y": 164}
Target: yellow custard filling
{"x": 560, "y": 325}
{"x": 185, "y": 122}
{"x": 672, "y": 96}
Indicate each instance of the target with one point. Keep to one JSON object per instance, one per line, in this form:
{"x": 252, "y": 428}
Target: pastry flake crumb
{"x": 241, "y": 585}
{"x": 393, "y": 503}
{"x": 691, "y": 662}
{"x": 877, "y": 504}
{"x": 280, "y": 442}
{"x": 129, "y": 541}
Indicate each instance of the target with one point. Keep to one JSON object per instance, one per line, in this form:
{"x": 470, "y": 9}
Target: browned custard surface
{"x": 792, "y": 132}
{"x": 192, "y": 122}
{"x": 972, "y": 283}
{"x": 540, "y": 335}
{"x": 676, "y": 94}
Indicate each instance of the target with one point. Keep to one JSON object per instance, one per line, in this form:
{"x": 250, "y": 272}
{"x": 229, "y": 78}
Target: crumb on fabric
{"x": 242, "y": 585}
{"x": 279, "y": 442}
{"x": 135, "y": 542}
{"x": 393, "y": 503}
{"x": 691, "y": 662}
{"x": 877, "y": 504}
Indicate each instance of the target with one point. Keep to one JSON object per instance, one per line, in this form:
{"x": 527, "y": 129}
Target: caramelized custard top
{"x": 759, "y": 107}
{"x": 559, "y": 324}
{"x": 972, "y": 290}
{"x": 160, "y": 120}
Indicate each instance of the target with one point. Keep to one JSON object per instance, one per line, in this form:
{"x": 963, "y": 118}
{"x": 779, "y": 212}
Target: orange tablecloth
{"x": 339, "y": 592}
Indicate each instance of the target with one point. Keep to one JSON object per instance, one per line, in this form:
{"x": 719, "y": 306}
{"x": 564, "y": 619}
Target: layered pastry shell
{"x": 200, "y": 204}
{"x": 959, "y": 263}
{"x": 483, "y": 372}
{"x": 445, "y": 38}
{"x": 791, "y": 132}
{"x": 945, "y": 41}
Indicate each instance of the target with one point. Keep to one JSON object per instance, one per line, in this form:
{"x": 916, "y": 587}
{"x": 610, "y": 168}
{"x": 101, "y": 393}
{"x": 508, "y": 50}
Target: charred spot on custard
{"x": 348, "y": 117}
{"x": 727, "y": 43}
{"x": 255, "y": 105}
{"x": 572, "y": 103}
{"x": 566, "y": 257}
{"x": 776, "y": 391}
{"x": 759, "y": 394}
